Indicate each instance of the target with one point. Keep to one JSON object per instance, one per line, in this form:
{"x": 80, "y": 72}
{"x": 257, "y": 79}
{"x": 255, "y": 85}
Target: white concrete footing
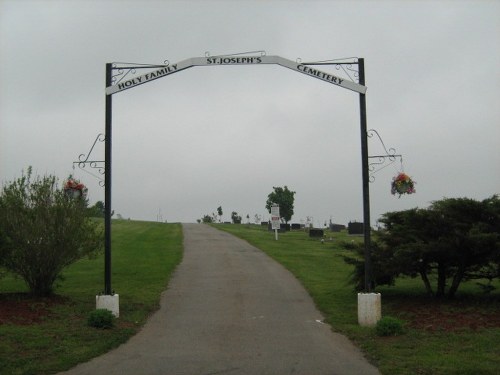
{"x": 109, "y": 302}
{"x": 369, "y": 309}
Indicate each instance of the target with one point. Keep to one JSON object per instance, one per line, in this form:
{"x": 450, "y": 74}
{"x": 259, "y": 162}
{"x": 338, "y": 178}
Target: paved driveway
{"x": 230, "y": 309}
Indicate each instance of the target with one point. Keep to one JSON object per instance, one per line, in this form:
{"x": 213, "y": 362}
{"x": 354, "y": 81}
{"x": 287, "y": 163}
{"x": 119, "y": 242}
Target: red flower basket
{"x": 74, "y": 188}
{"x": 402, "y": 184}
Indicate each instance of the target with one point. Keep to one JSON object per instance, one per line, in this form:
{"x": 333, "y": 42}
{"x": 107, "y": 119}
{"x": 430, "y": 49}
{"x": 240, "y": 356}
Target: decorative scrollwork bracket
{"x": 349, "y": 66}
{"x": 381, "y": 161}
{"x": 99, "y": 165}
{"x": 122, "y": 69}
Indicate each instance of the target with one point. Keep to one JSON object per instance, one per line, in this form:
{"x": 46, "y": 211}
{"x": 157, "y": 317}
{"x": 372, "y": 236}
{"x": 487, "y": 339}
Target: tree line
{"x": 43, "y": 230}
{"x": 281, "y": 196}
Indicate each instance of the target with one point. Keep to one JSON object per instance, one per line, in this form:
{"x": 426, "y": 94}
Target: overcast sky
{"x": 225, "y": 135}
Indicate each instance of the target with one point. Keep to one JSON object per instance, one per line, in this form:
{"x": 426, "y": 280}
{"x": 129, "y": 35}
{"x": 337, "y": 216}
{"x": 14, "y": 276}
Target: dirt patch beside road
{"x": 447, "y": 316}
{"x": 24, "y": 309}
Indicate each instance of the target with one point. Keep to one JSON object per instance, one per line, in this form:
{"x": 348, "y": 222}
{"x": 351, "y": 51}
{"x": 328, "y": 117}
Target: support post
{"x": 369, "y": 303}
{"x": 107, "y": 186}
{"x": 109, "y": 300}
{"x": 366, "y": 180}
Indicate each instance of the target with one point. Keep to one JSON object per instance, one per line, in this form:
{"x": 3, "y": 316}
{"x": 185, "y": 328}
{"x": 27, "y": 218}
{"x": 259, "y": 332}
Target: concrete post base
{"x": 109, "y": 302}
{"x": 369, "y": 309}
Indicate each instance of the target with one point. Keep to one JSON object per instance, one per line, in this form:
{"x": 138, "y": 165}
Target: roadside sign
{"x": 275, "y": 217}
{"x": 275, "y": 222}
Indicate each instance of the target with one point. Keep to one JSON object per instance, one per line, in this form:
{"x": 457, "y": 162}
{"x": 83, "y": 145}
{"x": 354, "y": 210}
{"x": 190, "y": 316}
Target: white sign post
{"x": 275, "y": 219}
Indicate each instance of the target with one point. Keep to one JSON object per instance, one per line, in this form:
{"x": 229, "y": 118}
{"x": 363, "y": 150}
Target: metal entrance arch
{"x": 114, "y": 86}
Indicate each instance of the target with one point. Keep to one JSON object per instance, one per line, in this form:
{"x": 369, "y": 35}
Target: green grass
{"x": 144, "y": 255}
{"x": 324, "y": 274}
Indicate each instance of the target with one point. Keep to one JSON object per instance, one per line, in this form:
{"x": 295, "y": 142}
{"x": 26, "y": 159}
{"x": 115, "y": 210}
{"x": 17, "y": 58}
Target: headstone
{"x": 285, "y": 227}
{"x": 337, "y": 227}
{"x": 316, "y": 232}
{"x": 355, "y": 228}
{"x": 270, "y": 228}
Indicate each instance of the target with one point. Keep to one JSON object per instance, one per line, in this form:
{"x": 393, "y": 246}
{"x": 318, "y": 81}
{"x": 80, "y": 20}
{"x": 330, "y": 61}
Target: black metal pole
{"x": 366, "y": 180}
{"x": 107, "y": 186}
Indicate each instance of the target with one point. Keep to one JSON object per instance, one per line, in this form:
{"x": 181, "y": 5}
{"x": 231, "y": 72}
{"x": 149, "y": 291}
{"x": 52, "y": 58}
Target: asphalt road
{"x": 230, "y": 309}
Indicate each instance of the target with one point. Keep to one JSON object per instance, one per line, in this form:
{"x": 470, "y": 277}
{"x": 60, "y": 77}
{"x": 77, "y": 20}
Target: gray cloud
{"x": 212, "y": 136}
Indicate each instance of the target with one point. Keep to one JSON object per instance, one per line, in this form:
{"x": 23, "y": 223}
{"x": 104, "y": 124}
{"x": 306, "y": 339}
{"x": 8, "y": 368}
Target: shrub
{"x": 389, "y": 326}
{"x": 456, "y": 239}
{"x": 43, "y": 230}
{"x": 101, "y": 318}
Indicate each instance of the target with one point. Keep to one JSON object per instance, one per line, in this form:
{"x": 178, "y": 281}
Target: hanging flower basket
{"x": 402, "y": 184}
{"x": 75, "y": 189}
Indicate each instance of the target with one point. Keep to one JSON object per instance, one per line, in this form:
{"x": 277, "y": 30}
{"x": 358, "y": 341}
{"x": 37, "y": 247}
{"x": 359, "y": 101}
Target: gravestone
{"x": 285, "y": 227}
{"x": 337, "y": 227}
{"x": 316, "y": 232}
{"x": 355, "y": 228}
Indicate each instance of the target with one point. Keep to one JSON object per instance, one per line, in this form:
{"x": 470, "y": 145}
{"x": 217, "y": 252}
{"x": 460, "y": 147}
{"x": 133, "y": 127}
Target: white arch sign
{"x": 166, "y": 70}
{"x": 235, "y": 60}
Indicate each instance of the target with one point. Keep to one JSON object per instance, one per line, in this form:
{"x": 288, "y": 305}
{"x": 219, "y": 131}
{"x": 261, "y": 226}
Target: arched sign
{"x": 235, "y": 60}
{"x": 169, "y": 69}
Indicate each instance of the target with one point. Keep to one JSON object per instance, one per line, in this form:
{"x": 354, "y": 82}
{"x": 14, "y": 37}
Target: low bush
{"x": 43, "y": 230}
{"x": 389, "y": 326}
{"x": 101, "y": 318}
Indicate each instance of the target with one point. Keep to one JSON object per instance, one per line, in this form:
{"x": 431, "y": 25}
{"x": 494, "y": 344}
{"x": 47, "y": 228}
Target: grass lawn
{"x": 53, "y": 334}
{"x": 449, "y": 337}
{"x": 442, "y": 337}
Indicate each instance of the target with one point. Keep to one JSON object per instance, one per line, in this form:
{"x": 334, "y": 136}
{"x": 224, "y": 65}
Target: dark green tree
{"x": 97, "y": 210}
{"x": 219, "y": 212}
{"x": 470, "y": 236}
{"x": 43, "y": 231}
{"x": 285, "y": 199}
{"x": 207, "y": 219}
{"x": 455, "y": 239}
{"x": 235, "y": 218}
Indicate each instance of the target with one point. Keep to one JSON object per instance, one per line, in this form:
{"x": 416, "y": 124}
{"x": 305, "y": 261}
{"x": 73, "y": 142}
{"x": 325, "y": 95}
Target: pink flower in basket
{"x": 74, "y": 188}
{"x": 402, "y": 184}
